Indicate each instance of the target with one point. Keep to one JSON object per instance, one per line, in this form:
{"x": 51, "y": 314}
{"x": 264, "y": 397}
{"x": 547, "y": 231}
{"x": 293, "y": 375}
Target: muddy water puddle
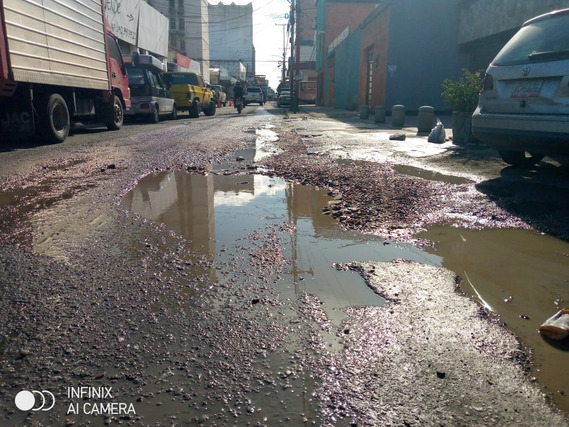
{"x": 215, "y": 212}
{"x": 524, "y": 277}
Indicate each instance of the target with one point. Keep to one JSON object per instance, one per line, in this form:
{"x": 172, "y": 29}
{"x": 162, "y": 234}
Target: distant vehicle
{"x": 220, "y": 94}
{"x": 150, "y": 94}
{"x": 191, "y": 93}
{"x": 523, "y": 109}
{"x": 254, "y": 94}
{"x": 284, "y": 98}
{"x": 59, "y": 62}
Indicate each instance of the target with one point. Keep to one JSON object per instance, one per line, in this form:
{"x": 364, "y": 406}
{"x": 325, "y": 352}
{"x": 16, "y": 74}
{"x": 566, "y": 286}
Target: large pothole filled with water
{"x": 215, "y": 212}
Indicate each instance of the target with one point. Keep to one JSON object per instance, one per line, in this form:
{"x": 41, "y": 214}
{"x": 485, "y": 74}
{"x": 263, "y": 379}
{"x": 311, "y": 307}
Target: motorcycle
{"x": 239, "y": 104}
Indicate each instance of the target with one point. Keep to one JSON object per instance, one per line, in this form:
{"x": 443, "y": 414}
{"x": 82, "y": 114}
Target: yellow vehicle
{"x": 191, "y": 93}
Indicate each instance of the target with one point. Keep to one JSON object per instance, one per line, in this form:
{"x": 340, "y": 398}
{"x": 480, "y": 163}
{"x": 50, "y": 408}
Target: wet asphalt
{"x": 95, "y": 295}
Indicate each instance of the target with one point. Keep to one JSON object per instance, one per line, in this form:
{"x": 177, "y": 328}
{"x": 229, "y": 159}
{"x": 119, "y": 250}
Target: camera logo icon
{"x": 34, "y": 400}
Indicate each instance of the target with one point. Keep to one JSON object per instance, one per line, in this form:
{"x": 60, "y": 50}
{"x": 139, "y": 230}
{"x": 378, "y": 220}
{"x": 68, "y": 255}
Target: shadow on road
{"x": 538, "y": 196}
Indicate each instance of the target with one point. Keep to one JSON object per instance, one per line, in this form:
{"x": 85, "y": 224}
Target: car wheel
{"x": 521, "y": 159}
{"x": 194, "y": 110}
{"x": 174, "y": 114}
{"x": 211, "y": 110}
{"x": 155, "y": 116}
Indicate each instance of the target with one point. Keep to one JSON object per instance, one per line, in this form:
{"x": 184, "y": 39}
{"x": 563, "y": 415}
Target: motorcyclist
{"x": 237, "y": 92}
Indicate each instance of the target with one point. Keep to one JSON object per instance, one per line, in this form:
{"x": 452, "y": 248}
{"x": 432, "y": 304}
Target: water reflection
{"x": 215, "y": 212}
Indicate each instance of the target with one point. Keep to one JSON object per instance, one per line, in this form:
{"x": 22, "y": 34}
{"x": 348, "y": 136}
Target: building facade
{"x": 389, "y": 52}
{"x": 188, "y": 29}
{"x": 231, "y": 38}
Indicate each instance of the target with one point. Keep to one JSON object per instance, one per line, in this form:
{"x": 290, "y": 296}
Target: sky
{"x": 268, "y": 15}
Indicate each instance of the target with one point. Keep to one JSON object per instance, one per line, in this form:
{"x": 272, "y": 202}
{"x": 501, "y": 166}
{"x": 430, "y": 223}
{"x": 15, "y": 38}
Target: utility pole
{"x": 284, "y": 53}
{"x": 295, "y": 42}
{"x": 297, "y": 57}
{"x": 292, "y": 33}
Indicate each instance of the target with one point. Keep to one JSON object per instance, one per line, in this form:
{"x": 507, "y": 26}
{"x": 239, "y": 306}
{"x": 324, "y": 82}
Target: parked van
{"x": 150, "y": 93}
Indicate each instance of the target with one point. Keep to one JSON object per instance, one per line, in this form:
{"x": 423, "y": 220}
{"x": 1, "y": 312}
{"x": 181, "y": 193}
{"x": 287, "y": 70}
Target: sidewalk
{"x": 353, "y": 118}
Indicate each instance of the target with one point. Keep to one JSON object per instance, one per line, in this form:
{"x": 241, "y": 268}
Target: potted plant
{"x": 462, "y": 96}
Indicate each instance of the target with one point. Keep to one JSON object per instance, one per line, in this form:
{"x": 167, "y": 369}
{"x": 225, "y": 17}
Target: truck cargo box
{"x": 57, "y": 42}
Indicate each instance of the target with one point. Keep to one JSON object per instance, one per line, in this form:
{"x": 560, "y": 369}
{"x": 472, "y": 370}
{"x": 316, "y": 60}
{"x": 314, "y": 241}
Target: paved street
{"x": 279, "y": 268}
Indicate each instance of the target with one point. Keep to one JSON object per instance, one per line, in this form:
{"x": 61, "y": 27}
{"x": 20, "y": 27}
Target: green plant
{"x": 462, "y": 94}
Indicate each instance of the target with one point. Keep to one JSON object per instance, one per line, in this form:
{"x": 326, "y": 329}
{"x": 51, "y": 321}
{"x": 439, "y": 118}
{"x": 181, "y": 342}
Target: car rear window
{"x": 540, "y": 41}
{"x": 253, "y": 89}
{"x": 183, "y": 79}
{"x": 135, "y": 76}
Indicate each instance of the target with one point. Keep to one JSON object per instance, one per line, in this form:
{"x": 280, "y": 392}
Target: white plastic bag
{"x": 438, "y": 134}
{"x": 557, "y": 326}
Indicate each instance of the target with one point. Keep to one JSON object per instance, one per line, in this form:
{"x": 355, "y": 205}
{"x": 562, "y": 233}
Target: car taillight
{"x": 488, "y": 83}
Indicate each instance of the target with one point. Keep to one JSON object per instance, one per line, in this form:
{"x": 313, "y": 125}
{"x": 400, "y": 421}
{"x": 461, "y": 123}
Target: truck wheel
{"x": 155, "y": 117}
{"x": 54, "y": 119}
{"x": 211, "y": 110}
{"x": 117, "y": 118}
{"x": 194, "y": 110}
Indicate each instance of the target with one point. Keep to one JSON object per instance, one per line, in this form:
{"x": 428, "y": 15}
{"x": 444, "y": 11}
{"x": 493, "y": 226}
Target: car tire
{"x": 155, "y": 116}
{"x": 174, "y": 114}
{"x": 194, "y": 110}
{"x": 211, "y": 109}
{"x": 521, "y": 159}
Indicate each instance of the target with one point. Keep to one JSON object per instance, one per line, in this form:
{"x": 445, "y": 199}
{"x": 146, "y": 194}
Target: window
{"x": 543, "y": 40}
{"x": 183, "y": 79}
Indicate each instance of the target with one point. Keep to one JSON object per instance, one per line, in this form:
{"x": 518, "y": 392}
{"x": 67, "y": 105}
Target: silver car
{"x": 523, "y": 108}
{"x": 254, "y": 94}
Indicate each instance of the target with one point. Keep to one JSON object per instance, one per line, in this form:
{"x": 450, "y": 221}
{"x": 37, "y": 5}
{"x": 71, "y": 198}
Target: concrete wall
{"x": 375, "y": 39}
{"x": 347, "y": 81}
{"x": 334, "y": 17}
{"x": 422, "y": 52}
{"x": 486, "y": 25}
{"x": 484, "y": 18}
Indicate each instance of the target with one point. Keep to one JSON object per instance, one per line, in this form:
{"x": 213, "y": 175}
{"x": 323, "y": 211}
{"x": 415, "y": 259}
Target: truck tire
{"x": 54, "y": 119}
{"x": 115, "y": 122}
{"x": 211, "y": 109}
{"x": 195, "y": 109}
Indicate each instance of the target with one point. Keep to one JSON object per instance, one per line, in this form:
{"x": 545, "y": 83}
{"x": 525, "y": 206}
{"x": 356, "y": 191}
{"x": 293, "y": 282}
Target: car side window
{"x": 156, "y": 81}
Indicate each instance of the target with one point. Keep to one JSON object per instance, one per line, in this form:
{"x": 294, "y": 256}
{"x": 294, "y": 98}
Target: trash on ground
{"x": 557, "y": 326}
{"x": 438, "y": 134}
{"x": 398, "y": 137}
